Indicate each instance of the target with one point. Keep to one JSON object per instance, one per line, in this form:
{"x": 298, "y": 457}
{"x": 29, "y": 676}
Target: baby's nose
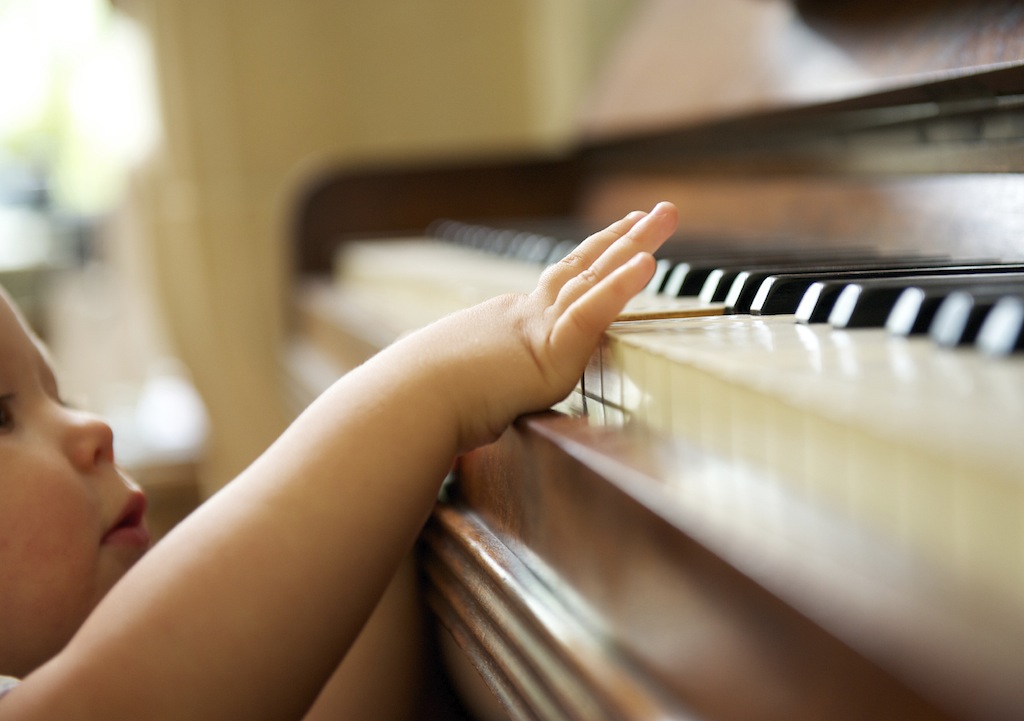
{"x": 90, "y": 440}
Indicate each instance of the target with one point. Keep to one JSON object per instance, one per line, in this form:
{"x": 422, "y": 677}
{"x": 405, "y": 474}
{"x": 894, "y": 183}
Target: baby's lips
{"x": 130, "y": 526}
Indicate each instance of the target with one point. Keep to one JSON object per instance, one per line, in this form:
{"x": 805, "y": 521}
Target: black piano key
{"x": 751, "y": 290}
{"x": 1003, "y": 330}
{"x": 816, "y": 305}
{"x": 560, "y": 250}
{"x": 720, "y": 281}
{"x": 686, "y": 279}
{"x": 665, "y": 266}
{"x": 913, "y": 312}
{"x": 958, "y": 318}
{"x": 687, "y": 275}
{"x": 915, "y": 309}
{"x": 867, "y": 304}
{"x": 667, "y": 262}
{"x": 693, "y": 251}
{"x": 717, "y": 284}
{"x": 863, "y": 306}
{"x": 662, "y": 267}
{"x": 818, "y": 300}
{"x": 690, "y": 276}
{"x": 535, "y": 248}
{"x": 785, "y": 293}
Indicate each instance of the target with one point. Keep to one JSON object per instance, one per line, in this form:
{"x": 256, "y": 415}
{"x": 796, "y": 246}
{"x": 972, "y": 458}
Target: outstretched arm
{"x": 244, "y": 610}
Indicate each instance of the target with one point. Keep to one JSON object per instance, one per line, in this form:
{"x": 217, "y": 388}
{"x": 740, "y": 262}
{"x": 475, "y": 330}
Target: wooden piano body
{"x": 697, "y": 546}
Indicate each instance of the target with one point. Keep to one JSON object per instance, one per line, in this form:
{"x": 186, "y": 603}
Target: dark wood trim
{"x": 555, "y": 517}
{"x": 365, "y": 202}
{"x": 540, "y": 658}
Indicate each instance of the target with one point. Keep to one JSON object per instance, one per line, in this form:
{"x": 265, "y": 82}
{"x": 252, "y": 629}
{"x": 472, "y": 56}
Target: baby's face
{"x": 70, "y": 523}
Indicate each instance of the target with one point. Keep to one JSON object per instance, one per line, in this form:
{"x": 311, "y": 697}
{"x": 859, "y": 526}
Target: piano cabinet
{"x": 612, "y": 561}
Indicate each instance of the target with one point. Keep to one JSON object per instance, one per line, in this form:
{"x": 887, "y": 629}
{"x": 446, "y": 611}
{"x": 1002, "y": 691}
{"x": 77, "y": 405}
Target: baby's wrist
{"x": 476, "y": 363}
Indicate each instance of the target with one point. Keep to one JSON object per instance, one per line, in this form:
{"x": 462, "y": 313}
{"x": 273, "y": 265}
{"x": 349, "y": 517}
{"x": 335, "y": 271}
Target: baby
{"x": 247, "y": 607}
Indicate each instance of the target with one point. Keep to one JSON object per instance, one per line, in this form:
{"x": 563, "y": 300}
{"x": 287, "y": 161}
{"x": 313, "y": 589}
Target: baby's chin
{"x": 116, "y": 561}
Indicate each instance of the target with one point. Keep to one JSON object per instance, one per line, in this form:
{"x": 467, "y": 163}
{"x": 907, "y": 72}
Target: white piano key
{"x": 884, "y": 427}
{"x": 918, "y": 444}
{"x": 658, "y": 404}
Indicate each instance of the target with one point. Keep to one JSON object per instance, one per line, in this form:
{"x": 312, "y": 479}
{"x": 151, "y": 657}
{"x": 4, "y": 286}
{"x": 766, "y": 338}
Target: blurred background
{"x": 152, "y": 153}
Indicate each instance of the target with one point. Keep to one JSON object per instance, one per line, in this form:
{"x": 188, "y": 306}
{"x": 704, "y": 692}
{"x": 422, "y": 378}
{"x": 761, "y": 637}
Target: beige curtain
{"x": 258, "y": 96}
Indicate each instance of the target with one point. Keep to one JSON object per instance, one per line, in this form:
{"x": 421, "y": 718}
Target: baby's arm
{"x": 247, "y": 607}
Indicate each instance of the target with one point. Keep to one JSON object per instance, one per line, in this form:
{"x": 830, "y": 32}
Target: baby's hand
{"x": 521, "y": 353}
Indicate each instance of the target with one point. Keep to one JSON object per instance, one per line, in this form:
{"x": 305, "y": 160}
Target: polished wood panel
{"x": 687, "y": 64}
{"x": 406, "y": 199}
{"x": 964, "y": 214}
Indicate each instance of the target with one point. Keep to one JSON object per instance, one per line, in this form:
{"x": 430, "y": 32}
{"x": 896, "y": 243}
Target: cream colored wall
{"x": 258, "y": 95}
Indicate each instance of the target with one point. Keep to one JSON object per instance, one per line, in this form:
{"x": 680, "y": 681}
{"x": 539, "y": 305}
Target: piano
{"x": 802, "y": 498}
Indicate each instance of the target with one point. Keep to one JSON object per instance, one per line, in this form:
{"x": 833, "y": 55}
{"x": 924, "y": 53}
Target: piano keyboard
{"x": 887, "y": 414}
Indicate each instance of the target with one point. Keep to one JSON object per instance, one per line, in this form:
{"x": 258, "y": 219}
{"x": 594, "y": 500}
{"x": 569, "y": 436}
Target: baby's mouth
{"x": 130, "y": 527}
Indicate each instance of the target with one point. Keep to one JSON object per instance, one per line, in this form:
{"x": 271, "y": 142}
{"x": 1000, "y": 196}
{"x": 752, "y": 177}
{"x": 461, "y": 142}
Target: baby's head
{"x": 70, "y": 523}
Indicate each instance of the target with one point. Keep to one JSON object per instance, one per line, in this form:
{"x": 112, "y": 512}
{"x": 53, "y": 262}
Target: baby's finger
{"x": 584, "y": 255}
{"x": 644, "y": 237}
{"x": 582, "y": 324}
